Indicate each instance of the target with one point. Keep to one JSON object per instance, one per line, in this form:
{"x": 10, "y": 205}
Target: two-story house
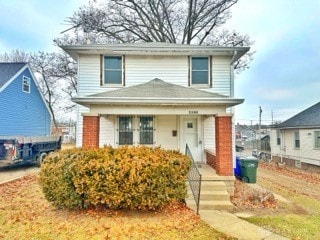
{"x": 158, "y": 94}
{"x": 23, "y": 109}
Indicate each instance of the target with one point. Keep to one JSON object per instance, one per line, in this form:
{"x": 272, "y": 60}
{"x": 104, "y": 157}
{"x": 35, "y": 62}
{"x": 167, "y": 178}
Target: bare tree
{"x": 15, "y": 55}
{"x": 172, "y": 21}
{"x": 43, "y": 64}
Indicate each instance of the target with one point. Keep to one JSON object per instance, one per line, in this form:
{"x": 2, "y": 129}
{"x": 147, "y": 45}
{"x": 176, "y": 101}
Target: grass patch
{"x": 25, "y": 214}
{"x": 292, "y": 226}
{"x": 297, "y": 219}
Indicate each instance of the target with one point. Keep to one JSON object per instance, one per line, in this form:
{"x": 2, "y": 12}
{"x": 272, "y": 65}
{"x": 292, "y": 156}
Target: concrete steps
{"x": 214, "y": 196}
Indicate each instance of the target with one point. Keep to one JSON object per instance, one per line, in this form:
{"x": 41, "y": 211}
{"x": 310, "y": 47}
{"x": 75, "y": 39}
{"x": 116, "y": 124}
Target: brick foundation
{"x": 211, "y": 160}
{"x": 291, "y": 163}
{"x": 90, "y": 133}
{"x": 223, "y": 127}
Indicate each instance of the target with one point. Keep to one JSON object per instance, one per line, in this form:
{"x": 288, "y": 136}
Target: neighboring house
{"x": 23, "y": 110}
{"x": 296, "y": 141}
{"x": 66, "y": 131}
{"x": 245, "y": 133}
{"x": 158, "y": 94}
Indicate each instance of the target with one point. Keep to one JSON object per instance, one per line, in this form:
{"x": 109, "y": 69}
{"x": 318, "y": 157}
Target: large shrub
{"x": 125, "y": 177}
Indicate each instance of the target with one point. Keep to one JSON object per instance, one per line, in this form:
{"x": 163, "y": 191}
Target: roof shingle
{"x": 158, "y": 88}
{"x": 8, "y": 70}
{"x": 307, "y": 118}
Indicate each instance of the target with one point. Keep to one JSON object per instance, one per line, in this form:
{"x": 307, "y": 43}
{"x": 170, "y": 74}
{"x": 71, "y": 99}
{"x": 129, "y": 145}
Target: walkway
{"x": 227, "y": 222}
{"x": 231, "y": 225}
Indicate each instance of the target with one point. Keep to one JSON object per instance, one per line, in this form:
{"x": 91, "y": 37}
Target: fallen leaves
{"x": 23, "y": 207}
{"x": 246, "y": 197}
{"x": 309, "y": 177}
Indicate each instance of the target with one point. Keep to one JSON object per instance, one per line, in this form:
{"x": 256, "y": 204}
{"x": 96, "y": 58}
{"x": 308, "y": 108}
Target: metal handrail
{"x": 194, "y": 179}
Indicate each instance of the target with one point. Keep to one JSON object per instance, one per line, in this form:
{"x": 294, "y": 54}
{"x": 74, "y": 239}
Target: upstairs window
{"x": 112, "y": 70}
{"x": 317, "y": 139}
{"x": 26, "y": 81}
{"x": 199, "y": 71}
{"x": 296, "y": 139}
{"x": 146, "y": 130}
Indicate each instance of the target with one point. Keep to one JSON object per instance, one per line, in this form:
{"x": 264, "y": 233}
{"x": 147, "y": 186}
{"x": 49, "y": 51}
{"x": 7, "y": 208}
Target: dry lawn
{"x": 297, "y": 216}
{"x": 25, "y": 214}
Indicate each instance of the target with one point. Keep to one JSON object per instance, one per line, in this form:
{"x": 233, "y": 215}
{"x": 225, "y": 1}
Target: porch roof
{"x": 157, "y": 92}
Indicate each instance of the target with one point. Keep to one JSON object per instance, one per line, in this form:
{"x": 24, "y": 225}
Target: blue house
{"x": 23, "y": 110}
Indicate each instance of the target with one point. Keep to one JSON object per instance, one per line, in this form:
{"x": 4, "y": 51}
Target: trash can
{"x": 237, "y": 170}
{"x": 249, "y": 167}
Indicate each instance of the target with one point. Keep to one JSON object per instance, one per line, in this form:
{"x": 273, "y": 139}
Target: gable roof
{"x": 9, "y": 70}
{"x": 308, "y": 118}
{"x": 157, "y": 91}
{"x": 156, "y": 49}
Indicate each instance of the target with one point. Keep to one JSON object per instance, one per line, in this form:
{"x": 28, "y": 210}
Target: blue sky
{"x": 31, "y": 25}
{"x": 284, "y": 76}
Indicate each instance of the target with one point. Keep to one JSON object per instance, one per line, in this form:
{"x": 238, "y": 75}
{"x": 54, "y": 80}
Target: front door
{"x": 192, "y": 136}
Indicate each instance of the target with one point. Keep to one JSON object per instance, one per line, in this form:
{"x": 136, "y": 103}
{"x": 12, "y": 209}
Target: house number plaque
{"x": 193, "y": 112}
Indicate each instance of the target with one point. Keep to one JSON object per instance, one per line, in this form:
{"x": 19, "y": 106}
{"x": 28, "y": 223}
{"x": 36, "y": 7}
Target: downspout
{"x": 232, "y": 108}
{"x": 281, "y": 147}
{"x": 232, "y": 73}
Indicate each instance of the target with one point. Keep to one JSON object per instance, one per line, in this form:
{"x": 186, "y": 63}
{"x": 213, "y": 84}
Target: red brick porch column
{"x": 224, "y": 164}
{"x": 90, "y": 131}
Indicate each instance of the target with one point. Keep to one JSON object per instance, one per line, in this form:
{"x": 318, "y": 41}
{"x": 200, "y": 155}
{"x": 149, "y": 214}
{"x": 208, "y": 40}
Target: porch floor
{"x": 209, "y": 174}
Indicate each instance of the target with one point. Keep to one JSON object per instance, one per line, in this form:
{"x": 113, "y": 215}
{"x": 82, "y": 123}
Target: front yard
{"x": 295, "y": 214}
{"x": 25, "y": 214}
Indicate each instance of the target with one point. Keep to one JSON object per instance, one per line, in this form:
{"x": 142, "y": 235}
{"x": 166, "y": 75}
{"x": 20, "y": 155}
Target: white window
{"x": 200, "y": 71}
{"x": 132, "y": 131}
{"x": 26, "y": 81}
{"x": 146, "y": 130}
{"x": 112, "y": 70}
{"x": 278, "y": 137}
{"x": 317, "y": 139}
{"x": 296, "y": 139}
{"x": 125, "y": 130}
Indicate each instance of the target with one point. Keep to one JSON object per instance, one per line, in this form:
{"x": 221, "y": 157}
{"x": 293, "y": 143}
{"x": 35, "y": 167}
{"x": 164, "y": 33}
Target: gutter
{"x": 157, "y": 101}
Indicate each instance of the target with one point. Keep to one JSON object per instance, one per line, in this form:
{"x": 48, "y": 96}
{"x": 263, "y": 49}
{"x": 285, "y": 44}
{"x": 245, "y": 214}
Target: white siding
{"x": 141, "y": 69}
{"x": 89, "y": 75}
{"x": 221, "y": 80}
{"x": 209, "y": 134}
{"x": 275, "y": 149}
{"x": 80, "y": 110}
{"x": 107, "y": 131}
{"x": 306, "y": 153}
{"x": 88, "y": 83}
{"x": 165, "y": 125}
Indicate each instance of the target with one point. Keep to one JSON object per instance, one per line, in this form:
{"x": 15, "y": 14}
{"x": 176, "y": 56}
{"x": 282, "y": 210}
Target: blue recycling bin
{"x": 237, "y": 169}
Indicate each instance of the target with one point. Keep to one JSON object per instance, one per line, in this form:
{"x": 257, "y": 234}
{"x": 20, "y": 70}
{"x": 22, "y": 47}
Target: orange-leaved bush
{"x": 118, "y": 178}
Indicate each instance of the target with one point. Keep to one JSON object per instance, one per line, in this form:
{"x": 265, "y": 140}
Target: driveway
{"x": 8, "y": 174}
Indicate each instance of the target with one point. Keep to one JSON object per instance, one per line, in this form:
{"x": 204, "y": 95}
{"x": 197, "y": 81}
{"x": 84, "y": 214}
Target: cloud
{"x": 32, "y": 25}
{"x": 275, "y": 94}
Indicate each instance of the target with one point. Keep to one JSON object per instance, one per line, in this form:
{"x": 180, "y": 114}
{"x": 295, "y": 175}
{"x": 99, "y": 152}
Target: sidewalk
{"x": 7, "y": 175}
{"x": 233, "y": 226}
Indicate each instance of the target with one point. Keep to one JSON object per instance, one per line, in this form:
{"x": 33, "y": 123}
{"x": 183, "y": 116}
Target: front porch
{"x": 208, "y": 190}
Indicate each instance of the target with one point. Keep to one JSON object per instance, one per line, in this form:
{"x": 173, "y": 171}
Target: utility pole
{"x": 259, "y": 142}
